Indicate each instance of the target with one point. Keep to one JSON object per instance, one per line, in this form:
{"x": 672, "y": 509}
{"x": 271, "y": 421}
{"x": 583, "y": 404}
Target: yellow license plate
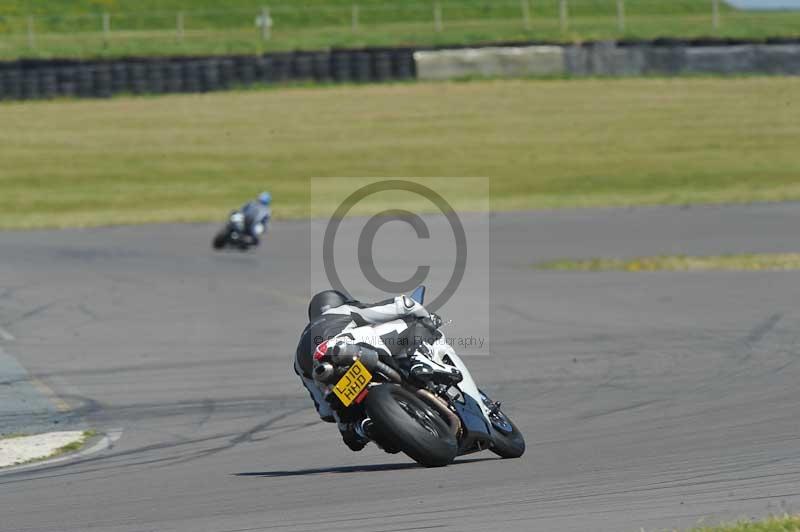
{"x": 352, "y": 383}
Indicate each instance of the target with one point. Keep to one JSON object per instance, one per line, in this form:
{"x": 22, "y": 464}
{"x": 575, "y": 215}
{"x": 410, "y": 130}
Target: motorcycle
{"x": 233, "y": 234}
{"x": 433, "y": 411}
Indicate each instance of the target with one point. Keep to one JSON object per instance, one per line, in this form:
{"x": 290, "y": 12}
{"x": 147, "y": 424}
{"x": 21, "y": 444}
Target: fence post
{"x": 437, "y": 16}
{"x": 715, "y": 14}
{"x": 354, "y": 18}
{"x": 621, "y": 16}
{"x": 563, "y": 15}
{"x": 106, "y": 28}
{"x": 266, "y": 24}
{"x": 31, "y": 34}
{"x": 526, "y": 14}
{"x": 179, "y": 26}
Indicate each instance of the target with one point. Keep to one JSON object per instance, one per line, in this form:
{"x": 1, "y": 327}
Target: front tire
{"x": 220, "y": 239}
{"x": 508, "y": 441}
{"x": 407, "y": 422}
{"x": 508, "y": 444}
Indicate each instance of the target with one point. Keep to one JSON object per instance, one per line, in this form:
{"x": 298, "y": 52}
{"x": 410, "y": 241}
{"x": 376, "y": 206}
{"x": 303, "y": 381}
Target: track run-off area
{"x": 648, "y": 400}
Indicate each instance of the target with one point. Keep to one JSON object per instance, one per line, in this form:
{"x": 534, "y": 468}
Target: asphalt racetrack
{"x": 648, "y": 400}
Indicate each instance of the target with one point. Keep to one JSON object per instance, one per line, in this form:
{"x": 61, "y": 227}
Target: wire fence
{"x": 287, "y": 26}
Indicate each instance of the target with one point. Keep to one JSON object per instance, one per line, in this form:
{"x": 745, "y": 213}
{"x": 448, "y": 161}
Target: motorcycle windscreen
{"x": 418, "y": 294}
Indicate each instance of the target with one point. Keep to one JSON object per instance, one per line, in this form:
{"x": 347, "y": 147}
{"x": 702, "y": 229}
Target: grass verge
{"x": 753, "y": 262}
{"x": 20, "y": 456}
{"x": 13, "y": 435}
{"x": 543, "y": 144}
{"x": 786, "y": 523}
{"x": 74, "y": 446}
{"x": 74, "y": 28}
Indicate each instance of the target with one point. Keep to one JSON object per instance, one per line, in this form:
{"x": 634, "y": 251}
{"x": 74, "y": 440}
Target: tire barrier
{"x": 9, "y": 85}
{"x": 227, "y": 73}
{"x": 190, "y": 75}
{"x": 302, "y": 67}
{"x": 102, "y": 81}
{"x": 404, "y": 66}
{"x": 67, "y": 86}
{"x": 48, "y": 83}
{"x": 668, "y": 60}
{"x": 778, "y": 59}
{"x": 209, "y": 75}
{"x": 36, "y": 79}
{"x": 706, "y": 57}
{"x": 173, "y": 78}
{"x": 277, "y": 68}
{"x": 119, "y": 78}
{"x": 340, "y": 67}
{"x": 361, "y": 65}
{"x": 381, "y": 66}
{"x": 245, "y": 70}
{"x": 85, "y": 83}
{"x": 321, "y": 66}
{"x": 30, "y": 85}
{"x": 138, "y": 81}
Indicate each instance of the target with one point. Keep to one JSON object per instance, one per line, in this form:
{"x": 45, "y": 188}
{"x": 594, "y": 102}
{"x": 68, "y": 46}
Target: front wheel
{"x": 220, "y": 239}
{"x": 508, "y": 441}
{"x": 510, "y": 444}
{"x": 407, "y": 422}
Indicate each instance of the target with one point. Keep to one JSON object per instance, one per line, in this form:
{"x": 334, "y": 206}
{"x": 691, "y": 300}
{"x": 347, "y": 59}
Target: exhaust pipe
{"x": 346, "y": 354}
{"x": 441, "y": 407}
{"x": 323, "y": 372}
{"x": 390, "y": 373}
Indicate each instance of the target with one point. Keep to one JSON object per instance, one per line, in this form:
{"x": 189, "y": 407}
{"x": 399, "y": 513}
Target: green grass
{"x": 71, "y": 447}
{"x": 148, "y": 27}
{"x": 13, "y": 435}
{"x": 772, "y": 524}
{"x": 544, "y": 144}
{"x": 75, "y": 446}
{"x": 749, "y": 262}
{"x": 71, "y": 15}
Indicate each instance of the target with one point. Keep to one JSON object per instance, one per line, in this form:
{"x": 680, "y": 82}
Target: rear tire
{"x": 406, "y": 422}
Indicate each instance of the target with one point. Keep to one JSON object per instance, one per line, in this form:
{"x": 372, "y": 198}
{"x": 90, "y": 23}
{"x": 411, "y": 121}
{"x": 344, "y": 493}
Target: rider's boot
{"x": 353, "y": 435}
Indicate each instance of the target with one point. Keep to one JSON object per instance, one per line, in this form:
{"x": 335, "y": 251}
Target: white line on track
{"x": 6, "y": 336}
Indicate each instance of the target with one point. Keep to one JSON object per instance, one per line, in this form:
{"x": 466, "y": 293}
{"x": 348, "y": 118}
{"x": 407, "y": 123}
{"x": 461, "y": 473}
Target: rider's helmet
{"x": 265, "y": 198}
{"x": 325, "y": 301}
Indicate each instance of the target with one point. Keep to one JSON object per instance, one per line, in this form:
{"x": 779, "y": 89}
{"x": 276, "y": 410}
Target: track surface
{"x": 648, "y": 400}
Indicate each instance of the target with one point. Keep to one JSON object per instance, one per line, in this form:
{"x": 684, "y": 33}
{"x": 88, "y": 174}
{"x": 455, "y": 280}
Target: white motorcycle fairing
{"x": 472, "y": 406}
{"x": 468, "y": 402}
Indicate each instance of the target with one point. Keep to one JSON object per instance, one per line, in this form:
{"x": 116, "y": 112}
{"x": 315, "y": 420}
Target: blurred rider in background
{"x": 257, "y": 214}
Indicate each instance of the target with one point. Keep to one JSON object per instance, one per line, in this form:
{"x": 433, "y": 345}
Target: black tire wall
{"x": 36, "y": 79}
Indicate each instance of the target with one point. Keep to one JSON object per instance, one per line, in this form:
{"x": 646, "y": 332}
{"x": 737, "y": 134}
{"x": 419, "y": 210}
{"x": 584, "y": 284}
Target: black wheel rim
{"x": 423, "y": 417}
{"x": 498, "y": 419}
{"x": 501, "y": 422}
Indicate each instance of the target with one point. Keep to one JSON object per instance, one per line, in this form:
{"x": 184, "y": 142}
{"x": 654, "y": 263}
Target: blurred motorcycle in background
{"x": 234, "y": 234}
